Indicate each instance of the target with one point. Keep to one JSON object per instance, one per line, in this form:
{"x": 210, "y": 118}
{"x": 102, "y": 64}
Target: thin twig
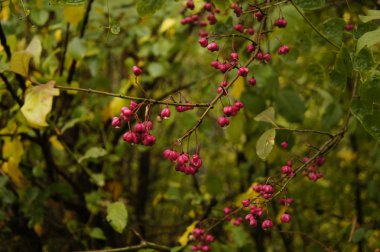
{"x": 142, "y": 245}
{"x": 313, "y": 26}
{"x": 10, "y": 89}
{"x": 307, "y": 131}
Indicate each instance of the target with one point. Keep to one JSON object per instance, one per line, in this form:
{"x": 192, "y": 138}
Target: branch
{"x": 10, "y": 89}
{"x": 142, "y": 245}
{"x": 83, "y": 29}
{"x": 307, "y": 131}
{"x": 127, "y": 97}
{"x": 313, "y": 26}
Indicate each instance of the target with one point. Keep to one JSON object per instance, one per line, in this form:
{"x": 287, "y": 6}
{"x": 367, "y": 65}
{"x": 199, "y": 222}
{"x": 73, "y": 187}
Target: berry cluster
{"x": 203, "y": 239}
{"x": 265, "y": 190}
{"x": 312, "y": 173}
{"x": 184, "y": 163}
{"x": 229, "y": 111}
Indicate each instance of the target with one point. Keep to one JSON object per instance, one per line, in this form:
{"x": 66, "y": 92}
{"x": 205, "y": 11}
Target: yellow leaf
{"x": 38, "y": 103}
{"x": 167, "y": 24}
{"x": 11, "y": 169}
{"x": 249, "y": 194}
{"x": 56, "y": 143}
{"x": 35, "y": 49}
{"x": 73, "y": 13}
{"x": 20, "y": 62}
{"x": 185, "y": 236}
{"x": 14, "y": 149}
{"x": 238, "y": 88}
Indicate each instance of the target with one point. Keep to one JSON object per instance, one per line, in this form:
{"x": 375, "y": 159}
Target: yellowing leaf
{"x": 56, "y": 143}
{"x": 73, "y": 13}
{"x": 20, "y": 62}
{"x": 238, "y": 88}
{"x": 185, "y": 236}
{"x": 167, "y": 24}
{"x": 38, "y": 103}
{"x": 11, "y": 169}
{"x": 249, "y": 194}
{"x": 265, "y": 143}
{"x": 35, "y": 49}
{"x": 14, "y": 149}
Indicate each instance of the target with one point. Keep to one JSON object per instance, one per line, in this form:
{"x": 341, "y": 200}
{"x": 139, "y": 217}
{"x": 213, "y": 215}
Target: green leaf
{"x": 97, "y": 233}
{"x": 115, "y": 28}
{"x": 343, "y": 62}
{"x": 333, "y": 28}
{"x": 117, "y": 216}
{"x": 331, "y": 116}
{"x": 148, "y": 7}
{"x": 39, "y": 17}
{"x": 290, "y": 105}
{"x": 76, "y": 48}
{"x": 338, "y": 80}
{"x": 368, "y": 39}
{"x": 310, "y": 4}
{"x": 364, "y": 60}
{"x": 93, "y": 152}
{"x": 35, "y": 48}
{"x": 367, "y": 108}
{"x": 358, "y": 235}
{"x": 371, "y": 15}
{"x": 265, "y": 143}
{"x": 156, "y": 69}
{"x": 266, "y": 116}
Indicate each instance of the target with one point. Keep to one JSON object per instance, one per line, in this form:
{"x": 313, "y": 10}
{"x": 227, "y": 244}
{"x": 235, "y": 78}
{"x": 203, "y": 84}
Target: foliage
{"x": 69, "y": 182}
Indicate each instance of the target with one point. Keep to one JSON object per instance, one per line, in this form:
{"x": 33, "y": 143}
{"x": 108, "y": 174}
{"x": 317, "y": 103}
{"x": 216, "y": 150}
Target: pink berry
{"x": 116, "y": 122}
{"x": 136, "y": 70}
{"x": 251, "y": 48}
{"x": 215, "y": 64}
{"x": 203, "y": 33}
{"x": 195, "y": 248}
{"x": 243, "y": 71}
{"x": 227, "y": 210}
{"x": 213, "y": 46}
{"x": 266, "y": 57}
{"x": 250, "y": 31}
{"x": 239, "y": 28}
{"x": 149, "y": 125}
{"x": 223, "y": 121}
{"x": 349, "y": 27}
{"x": 149, "y": 140}
{"x": 126, "y": 111}
{"x": 285, "y": 218}
{"x": 234, "y": 56}
{"x": 203, "y": 42}
{"x": 207, "y": 6}
{"x": 209, "y": 238}
{"x": 284, "y": 145}
{"x": 259, "y": 16}
{"x": 228, "y": 111}
{"x": 198, "y": 232}
{"x": 280, "y": 23}
{"x": 132, "y": 105}
{"x": 267, "y": 224}
{"x": 245, "y": 202}
{"x": 211, "y": 19}
{"x": 202, "y": 23}
{"x": 165, "y": 113}
{"x": 239, "y": 104}
{"x": 205, "y": 248}
{"x": 139, "y": 128}
{"x": 286, "y": 169}
{"x": 130, "y": 137}
{"x": 284, "y": 49}
{"x": 252, "y": 81}
{"x": 190, "y": 4}
{"x": 224, "y": 83}
{"x": 167, "y": 153}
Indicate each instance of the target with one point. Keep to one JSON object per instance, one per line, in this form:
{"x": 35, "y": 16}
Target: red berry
{"x": 251, "y": 48}
{"x": 213, "y": 46}
{"x": 284, "y": 145}
{"x": 136, "y": 70}
{"x": 223, "y": 121}
{"x": 286, "y": 169}
{"x": 149, "y": 140}
{"x": 116, "y": 122}
{"x": 259, "y": 16}
{"x": 126, "y": 111}
{"x": 227, "y": 210}
{"x": 239, "y": 28}
{"x": 267, "y": 224}
{"x": 203, "y": 42}
{"x": 266, "y": 57}
{"x": 234, "y": 56}
{"x": 285, "y": 218}
{"x": 167, "y": 153}
{"x": 132, "y": 105}
{"x": 224, "y": 83}
{"x": 284, "y": 49}
{"x": 207, "y": 6}
{"x": 165, "y": 113}
{"x": 203, "y": 33}
{"x": 211, "y": 18}
{"x": 349, "y": 27}
{"x": 139, "y": 128}
{"x": 243, "y": 71}
{"x": 228, "y": 111}
{"x": 250, "y": 31}
{"x": 209, "y": 238}
{"x": 202, "y": 23}
{"x": 252, "y": 81}
{"x": 239, "y": 105}
{"x": 215, "y": 64}
{"x": 130, "y": 137}
{"x": 190, "y": 4}
{"x": 245, "y": 202}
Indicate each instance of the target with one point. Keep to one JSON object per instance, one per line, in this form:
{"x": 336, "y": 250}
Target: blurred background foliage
{"x": 58, "y": 182}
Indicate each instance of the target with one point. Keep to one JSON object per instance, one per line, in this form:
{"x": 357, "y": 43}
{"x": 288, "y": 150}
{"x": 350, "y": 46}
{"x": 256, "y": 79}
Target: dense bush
{"x": 155, "y": 125}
